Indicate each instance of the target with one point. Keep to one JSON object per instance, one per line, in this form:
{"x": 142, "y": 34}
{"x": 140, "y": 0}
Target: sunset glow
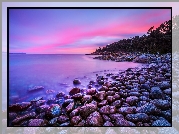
{"x": 77, "y": 31}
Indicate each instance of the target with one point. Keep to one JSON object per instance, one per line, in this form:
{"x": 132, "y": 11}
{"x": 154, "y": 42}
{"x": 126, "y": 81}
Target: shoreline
{"x": 134, "y": 97}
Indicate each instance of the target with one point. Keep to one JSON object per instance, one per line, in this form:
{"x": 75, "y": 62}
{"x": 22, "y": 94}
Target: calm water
{"x": 54, "y": 72}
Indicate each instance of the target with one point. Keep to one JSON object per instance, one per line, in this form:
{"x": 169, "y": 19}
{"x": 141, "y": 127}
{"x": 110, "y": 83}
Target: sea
{"x": 55, "y": 72}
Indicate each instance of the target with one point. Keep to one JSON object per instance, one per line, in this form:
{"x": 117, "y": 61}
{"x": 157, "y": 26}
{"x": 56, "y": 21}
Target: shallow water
{"x": 55, "y": 72}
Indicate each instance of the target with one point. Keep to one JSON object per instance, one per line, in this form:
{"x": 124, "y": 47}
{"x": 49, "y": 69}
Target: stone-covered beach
{"x": 132, "y": 97}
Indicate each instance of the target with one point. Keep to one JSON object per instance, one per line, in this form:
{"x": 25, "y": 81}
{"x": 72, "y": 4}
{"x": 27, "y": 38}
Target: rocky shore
{"x": 133, "y": 97}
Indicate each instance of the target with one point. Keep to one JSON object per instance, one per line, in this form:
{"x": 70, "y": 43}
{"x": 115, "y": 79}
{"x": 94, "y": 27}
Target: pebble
{"x": 108, "y": 124}
{"x": 37, "y": 122}
{"x": 76, "y": 81}
{"x": 156, "y": 93}
{"x": 75, "y": 120}
{"x": 132, "y": 100}
{"x": 86, "y": 98}
{"x": 62, "y": 119}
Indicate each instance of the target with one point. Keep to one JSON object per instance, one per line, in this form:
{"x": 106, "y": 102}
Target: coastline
{"x": 134, "y": 97}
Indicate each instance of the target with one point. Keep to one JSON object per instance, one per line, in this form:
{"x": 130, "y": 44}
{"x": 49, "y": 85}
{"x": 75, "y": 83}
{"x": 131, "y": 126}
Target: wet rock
{"x": 67, "y": 102}
{"x": 156, "y": 93}
{"x": 12, "y": 116}
{"x": 143, "y": 98}
{"x": 145, "y": 86}
{"x": 87, "y": 109}
{"x": 19, "y": 107}
{"x": 112, "y": 110}
{"x": 60, "y": 94}
{"x": 132, "y": 100}
{"x": 62, "y": 119}
{"x": 164, "y": 85}
{"x": 66, "y": 124}
{"x": 113, "y": 89}
{"x": 81, "y": 123}
{"x": 75, "y": 120}
{"x": 42, "y": 108}
{"x": 116, "y": 116}
{"x": 161, "y": 122}
{"x": 53, "y": 111}
{"x": 41, "y": 116}
{"x": 86, "y": 98}
{"x": 116, "y": 96}
{"x": 117, "y": 103}
{"x": 94, "y": 119}
{"x": 100, "y": 95}
{"x": 146, "y": 94}
{"x": 91, "y": 91}
{"x": 110, "y": 93}
{"x": 106, "y": 118}
{"x": 51, "y": 101}
{"x": 92, "y": 82}
{"x": 103, "y": 103}
{"x": 146, "y": 125}
{"x": 168, "y": 91}
{"x": 53, "y": 121}
{"x": 70, "y": 107}
{"x": 100, "y": 82}
{"x": 67, "y": 97}
{"x": 122, "y": 122}
{"x": 167, "y": 115}
{"x": 124, "y": 104}
{"x": 110, "y": 99}
{"x": 162, "y": 104}
{"x": 77, "y": 96}
{"x": 108, "y": 123}
{"x": 94, "y": 102}
{"x": 141, "y": 103}
{"x": 75, "y": 112}
{"x": 138, "y": 117}
{"x": 148, "y": 108}
{"x": 36, "y": 88}
{"x": 105, "y": 109}
{"x": 134, "y": 94}
{"x": 103, "y": 88}
{"x": 74, "y": 91}
{"x": 38, "y": 103}
{"x": 37, "y": 122}
{"x": 126, "y": 110}
{"x": 18, "y": 120}
{"x": 76, "y": 81}
{"x": 36, "y": 99}
{"x": 140, "y": 124}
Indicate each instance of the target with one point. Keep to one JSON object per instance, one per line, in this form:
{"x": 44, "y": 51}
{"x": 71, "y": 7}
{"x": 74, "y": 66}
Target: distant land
{"x": 17, "y": 53}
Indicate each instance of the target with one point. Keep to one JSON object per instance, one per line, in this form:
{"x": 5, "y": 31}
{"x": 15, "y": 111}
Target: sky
{"x": 77, "y": 31}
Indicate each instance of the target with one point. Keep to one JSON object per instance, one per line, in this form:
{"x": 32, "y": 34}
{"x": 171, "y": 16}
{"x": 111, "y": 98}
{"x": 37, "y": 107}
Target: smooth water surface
{"x": 55, "y": 72}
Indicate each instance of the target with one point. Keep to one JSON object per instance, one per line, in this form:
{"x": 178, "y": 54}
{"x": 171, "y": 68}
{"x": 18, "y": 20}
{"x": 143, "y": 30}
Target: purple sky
{"x": 75, "y": 31}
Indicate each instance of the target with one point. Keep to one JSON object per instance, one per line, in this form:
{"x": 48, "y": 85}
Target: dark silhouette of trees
{"x": 156, "y": 40}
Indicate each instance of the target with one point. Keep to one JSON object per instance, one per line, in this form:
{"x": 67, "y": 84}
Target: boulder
{"x": 94, "y": 119}
{"x": 156, "y": 93}
{"x": 87, "y": 109}
{"x": 74, "y": 91}
{"x": 161, "y": 122}
{"x": 138, "y": 117}
{"x": 132, "y": 100}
